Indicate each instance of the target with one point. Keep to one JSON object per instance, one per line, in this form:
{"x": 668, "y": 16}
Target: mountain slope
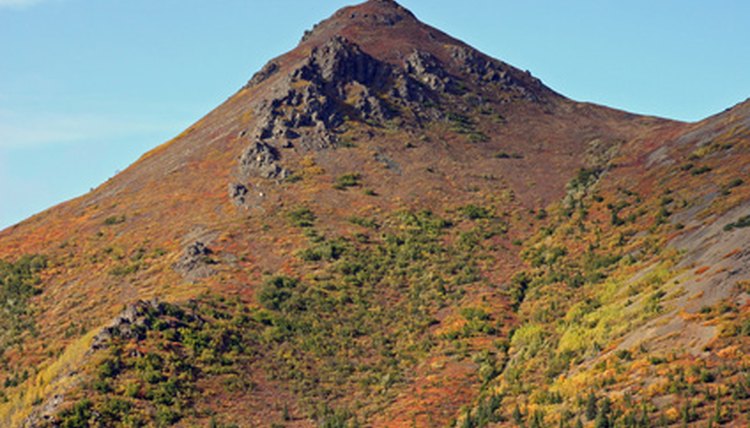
{"x": 386, "y": 226}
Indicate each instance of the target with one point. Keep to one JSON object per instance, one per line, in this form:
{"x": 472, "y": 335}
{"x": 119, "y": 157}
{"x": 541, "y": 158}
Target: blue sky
{"x": 86, "y": 86}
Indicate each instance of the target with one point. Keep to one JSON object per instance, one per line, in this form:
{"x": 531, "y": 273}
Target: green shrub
{"x": 544, "y": 255}
{"x": 475, "y": 212}
{"x": 102, "y": 386}
{"x": 78, "y": 416}
{"x": 301, "y": 217}
{"x": 326, "y": 250}
{"x": 701, "y": 170}
{"x": 505, "y": 155}
{"x": 740, "y": 223}
{"x": 364, "y": 222}
{"x": 19, "y": 281}
{"x": 113, "y": 220}
{"x": 735, "y": 183}
{"x": 276, "y": 291}
{"x": 167, "y": 416}
{"x": 585, "y": 177}
{"x": 114, "y": 410}
{"x": 518, "y": 286}
{"x": 293, "y": 178}
{"x": 348, "y": 180}
{"x": 125, "y": 270}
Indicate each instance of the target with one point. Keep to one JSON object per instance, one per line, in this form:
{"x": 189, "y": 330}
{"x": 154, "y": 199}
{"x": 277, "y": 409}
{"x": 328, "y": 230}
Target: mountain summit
{"x": 387, "y": 227}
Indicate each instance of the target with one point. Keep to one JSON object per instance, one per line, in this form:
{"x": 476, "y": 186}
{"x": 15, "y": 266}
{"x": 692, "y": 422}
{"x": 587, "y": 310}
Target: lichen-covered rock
{"x": 261, "y": 160}
{"x": 428, "y": 70}
{"x": 196, "y": 262}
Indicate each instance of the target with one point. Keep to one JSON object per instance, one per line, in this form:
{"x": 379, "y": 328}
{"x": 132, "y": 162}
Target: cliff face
{"x": 387, "y": 226}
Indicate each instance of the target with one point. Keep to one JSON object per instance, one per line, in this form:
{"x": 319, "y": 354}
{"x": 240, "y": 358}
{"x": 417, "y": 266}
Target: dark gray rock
{"x": 196, "y": 262}
{"x": 262, "y": 160}
{"x": 339, "y": 61}
{"x": 428, "y": 70}
{"x": 129, "y": 324}
{"x": 488, "y": 70}
{"x": 263, "y": 74}
{"x": 372, "y": 108}
{"x": 337, "y": 80}
{"x": 238, "y": 193}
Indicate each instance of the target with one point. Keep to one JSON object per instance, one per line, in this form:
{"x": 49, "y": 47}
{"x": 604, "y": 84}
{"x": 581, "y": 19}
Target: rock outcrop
{"x": 196, "y": 262}
{"x": 263, "y": 74}
{"x": 238, "y": 193}
{"x": 129, "y": 324}
{"x": 262, "y": 160}
{"x": 337, "y": 81}
{"x": 428, "y": 70}
{"x": 485, "y": 70}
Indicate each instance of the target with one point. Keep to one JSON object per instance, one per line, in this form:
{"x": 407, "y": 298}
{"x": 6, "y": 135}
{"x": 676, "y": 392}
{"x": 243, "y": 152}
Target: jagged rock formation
{"x": 196, "y": 262}
{"x": 262, "y": 159}
{"x": 264, "y": 73}
{"x": 238, "y": 193}
{"x": 425, "y": 67}
{"x": 336, "y": 80}
{"x": 128, "y": 324}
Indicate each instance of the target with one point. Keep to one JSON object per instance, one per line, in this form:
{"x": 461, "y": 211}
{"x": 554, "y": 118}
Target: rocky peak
{"x": 368, "y": 63}
{"x": 370, "y": 14}
{"x": 336, "y": 79}
{"x": 378, "y": 12}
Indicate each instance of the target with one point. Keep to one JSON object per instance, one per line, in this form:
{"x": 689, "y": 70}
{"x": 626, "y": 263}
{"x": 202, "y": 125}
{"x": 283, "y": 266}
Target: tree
{"x": 602, "y": 421}
{"x": 591, "y": 407}
{"x": 602, "y": 417}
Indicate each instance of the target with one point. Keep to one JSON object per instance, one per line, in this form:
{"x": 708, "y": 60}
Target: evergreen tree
{"x": 591, "y": 407}
{"x": 537, "y": 419}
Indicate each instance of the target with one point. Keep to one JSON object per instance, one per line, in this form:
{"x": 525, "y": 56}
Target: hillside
{"x": 386, "y": 227}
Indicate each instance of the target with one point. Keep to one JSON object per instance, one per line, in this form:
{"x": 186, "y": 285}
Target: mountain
{"x": 386, "y": 227}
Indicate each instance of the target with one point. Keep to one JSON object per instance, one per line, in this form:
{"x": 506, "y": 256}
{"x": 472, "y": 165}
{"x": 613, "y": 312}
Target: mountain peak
{"x": 380, "y": 6}
{"x": 390, "y": 33}
{"x": 361, "y": 21}
{"x": 383, "y": 227}
{"x": 378, "y": 12}
{"x": 372, "y": 64}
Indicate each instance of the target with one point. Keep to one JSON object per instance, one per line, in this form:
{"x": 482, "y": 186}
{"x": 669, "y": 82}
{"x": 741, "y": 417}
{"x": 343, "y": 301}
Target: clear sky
{"x": 86, "y": 86}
